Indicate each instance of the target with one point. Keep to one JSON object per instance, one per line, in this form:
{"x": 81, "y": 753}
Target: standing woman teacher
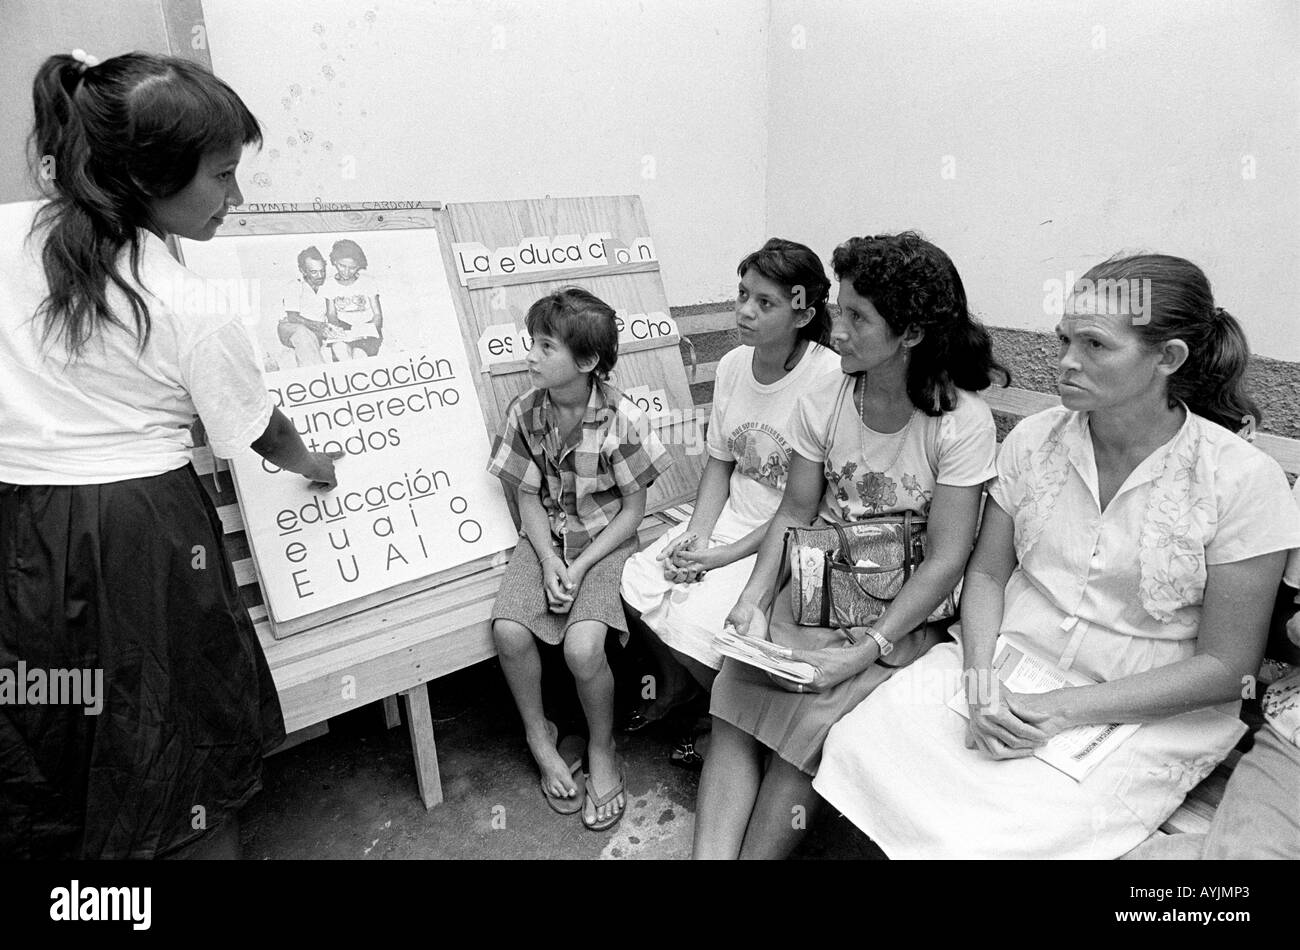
{"x": 111, "y": 552}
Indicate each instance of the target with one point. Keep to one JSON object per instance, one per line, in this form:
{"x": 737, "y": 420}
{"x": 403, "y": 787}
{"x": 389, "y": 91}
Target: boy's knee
{"x": 584, "y": 649}
{"x": 511, "y": 638}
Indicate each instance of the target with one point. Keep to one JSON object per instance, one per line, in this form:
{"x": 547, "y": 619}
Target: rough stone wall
{"x": 1031, "y": 357}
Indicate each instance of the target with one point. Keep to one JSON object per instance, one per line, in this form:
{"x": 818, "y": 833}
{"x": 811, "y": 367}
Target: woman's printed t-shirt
{"x": 115, "y": 412}
{"x": 871, "y": 473}
{"x": 353, "y": 306}
{"x": 749, "y": 425}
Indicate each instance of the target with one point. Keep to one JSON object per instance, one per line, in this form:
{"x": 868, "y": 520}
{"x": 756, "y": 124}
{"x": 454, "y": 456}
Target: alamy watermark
{"x": 212, "y": 296}
{"x": 37, "y": 686}
{"x": 1130, "y": 297}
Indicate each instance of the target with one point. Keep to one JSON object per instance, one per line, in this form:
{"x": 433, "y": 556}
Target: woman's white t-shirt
{"x": 114, "y": 412}
{"x": 748, "y": 426}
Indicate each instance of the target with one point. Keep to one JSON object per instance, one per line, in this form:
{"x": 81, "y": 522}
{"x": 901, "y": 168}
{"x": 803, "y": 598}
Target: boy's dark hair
{"x": 582, "y": 322}
{"x": 913, "y": 283}
{"x": 130, "y": 129}
{"x": 310, "y": 254}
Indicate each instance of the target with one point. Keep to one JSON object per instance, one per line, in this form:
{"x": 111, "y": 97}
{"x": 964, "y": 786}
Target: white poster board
{"x": 414, "y": 497}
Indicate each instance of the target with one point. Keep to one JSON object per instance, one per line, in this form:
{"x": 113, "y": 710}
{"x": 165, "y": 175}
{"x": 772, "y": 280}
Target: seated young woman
{"x": 903, "y": 431}
{"x": 1131, "y": 537}
{"x": 677, "y": 592}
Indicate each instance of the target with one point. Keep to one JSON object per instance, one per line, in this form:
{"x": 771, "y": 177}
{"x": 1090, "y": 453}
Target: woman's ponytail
{"x": 1213, "y": 379}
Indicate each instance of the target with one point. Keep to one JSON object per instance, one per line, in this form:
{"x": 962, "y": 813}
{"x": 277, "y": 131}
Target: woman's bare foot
{"x": 604, "y": 777}
{"x": 556, "y": 778}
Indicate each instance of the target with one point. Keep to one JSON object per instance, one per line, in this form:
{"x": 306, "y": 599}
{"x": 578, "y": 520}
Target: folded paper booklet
{"x": 764, "y": 655}
{"x": 1076, "y": 751}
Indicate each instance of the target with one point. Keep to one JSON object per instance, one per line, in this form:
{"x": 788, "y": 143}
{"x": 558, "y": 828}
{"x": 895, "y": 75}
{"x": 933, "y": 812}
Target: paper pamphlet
{"x": 763, "y": 655}
{"x": 1076, "y": 751}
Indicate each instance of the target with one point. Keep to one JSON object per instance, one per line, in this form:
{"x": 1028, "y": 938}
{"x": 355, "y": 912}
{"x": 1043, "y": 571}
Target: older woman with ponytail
{"x": 903, "y": 431}
{"x": 1132, "y": 541}
{"x": 114, "y": 570}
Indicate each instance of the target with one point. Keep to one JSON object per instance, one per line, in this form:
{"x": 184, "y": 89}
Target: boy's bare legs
{"x": 584, "y": 652}
{"x": 728, "y": 787}
{"x": 523, "y": 668}
{"x": 782, "y": 813}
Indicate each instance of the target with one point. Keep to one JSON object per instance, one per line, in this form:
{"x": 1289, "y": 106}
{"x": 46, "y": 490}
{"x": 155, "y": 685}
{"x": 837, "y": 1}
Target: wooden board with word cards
{"x": 507, "y": 254}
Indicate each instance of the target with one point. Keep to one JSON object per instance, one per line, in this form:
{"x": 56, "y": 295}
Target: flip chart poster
{"x": 369, "y": 362}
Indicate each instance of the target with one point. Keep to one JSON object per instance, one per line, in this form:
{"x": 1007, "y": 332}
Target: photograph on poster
{"x": 363, "y": 353}
{"x": 329, "y": 297}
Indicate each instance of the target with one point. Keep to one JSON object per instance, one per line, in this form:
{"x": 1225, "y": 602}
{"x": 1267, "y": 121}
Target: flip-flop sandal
{"x": 571, "y": 749}
{"x": 602, "y": 801}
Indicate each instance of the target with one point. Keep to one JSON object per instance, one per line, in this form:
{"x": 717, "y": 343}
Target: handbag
{"x": 846, "y": 575}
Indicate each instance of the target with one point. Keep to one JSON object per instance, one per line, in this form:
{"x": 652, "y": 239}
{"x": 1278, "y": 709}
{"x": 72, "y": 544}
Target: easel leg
{"x": 392, "y": 712}
{"x": 420, "y": 721}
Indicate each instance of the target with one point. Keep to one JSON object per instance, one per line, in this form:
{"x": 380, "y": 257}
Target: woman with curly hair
{"x": 904, "y": 431}
{"x": 1132, "y": 538}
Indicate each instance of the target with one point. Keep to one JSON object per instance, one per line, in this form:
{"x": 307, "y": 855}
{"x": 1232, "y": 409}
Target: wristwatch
{"x": 886, "y": 647}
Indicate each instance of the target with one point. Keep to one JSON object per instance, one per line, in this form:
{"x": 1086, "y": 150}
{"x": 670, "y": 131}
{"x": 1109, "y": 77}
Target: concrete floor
{"x": 352, "y": 793}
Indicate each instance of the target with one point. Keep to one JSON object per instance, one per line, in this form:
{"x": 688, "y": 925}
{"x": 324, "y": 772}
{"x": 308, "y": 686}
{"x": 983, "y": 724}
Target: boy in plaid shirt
{"x": 579, "y": 456}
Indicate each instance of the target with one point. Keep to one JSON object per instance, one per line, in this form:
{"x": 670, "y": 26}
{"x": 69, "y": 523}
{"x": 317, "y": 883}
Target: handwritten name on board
{"x": 414, "y": 496}
{"x": 545, "y": 253}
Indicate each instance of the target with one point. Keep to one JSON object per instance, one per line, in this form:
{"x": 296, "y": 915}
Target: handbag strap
{"x": 827, "y": 438}
{"x": 845, "y": 550}
{"x": 783, "y": 569}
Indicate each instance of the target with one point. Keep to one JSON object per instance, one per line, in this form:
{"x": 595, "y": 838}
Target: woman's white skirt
{"x": 687, "y": 616}
{"x": 898, "y": 768}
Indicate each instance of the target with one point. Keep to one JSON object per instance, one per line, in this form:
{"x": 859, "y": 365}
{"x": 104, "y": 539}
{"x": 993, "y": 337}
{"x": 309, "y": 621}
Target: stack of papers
{"x": 1076, "y": 751}
{"x": 764, "y": 655}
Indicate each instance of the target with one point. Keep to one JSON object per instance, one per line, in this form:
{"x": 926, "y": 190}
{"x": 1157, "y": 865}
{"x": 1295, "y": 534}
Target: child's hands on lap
{"x": 561, "y": 581}
{"x": 698, "y": 562}
{"x": 672, "y": 555}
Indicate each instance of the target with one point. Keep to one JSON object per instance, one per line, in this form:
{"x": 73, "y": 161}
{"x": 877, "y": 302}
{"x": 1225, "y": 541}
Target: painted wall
{"x": 467, "y": 101}
{"x": 1030, "y": 139}
{"x": 31, "y": 30}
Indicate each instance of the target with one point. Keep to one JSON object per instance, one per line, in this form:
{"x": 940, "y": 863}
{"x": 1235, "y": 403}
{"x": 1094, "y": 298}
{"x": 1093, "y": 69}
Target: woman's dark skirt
{"x": 129, "y": 583}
